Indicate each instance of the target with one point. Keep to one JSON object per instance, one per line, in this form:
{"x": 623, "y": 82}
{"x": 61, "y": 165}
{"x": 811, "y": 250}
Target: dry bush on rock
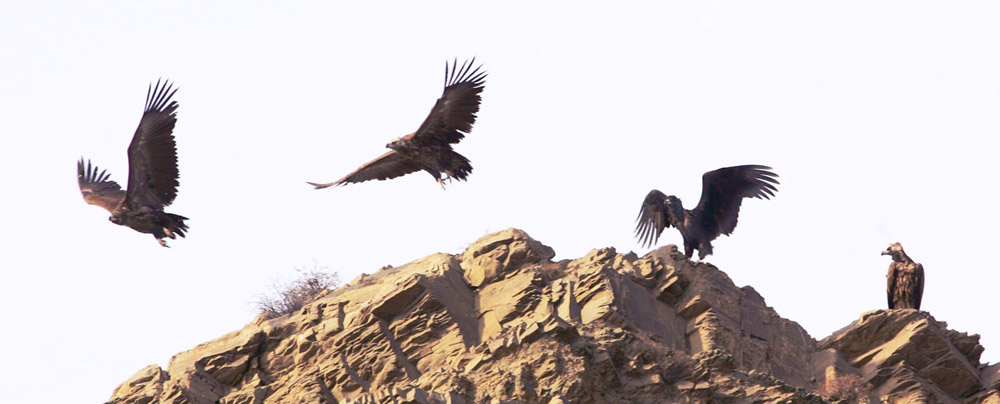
{"x": 849, "y": 388}
{"x": 286, "y": 298}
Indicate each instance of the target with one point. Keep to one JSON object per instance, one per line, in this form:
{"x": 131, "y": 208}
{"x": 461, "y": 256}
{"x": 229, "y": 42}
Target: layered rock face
{"x": 502, "y": 323}
{"x": 906, "y": 356}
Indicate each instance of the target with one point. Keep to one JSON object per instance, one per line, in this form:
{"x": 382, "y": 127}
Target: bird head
{"x": 395, "y": 144}
{"x": 895, "y": 250}
{"x": 674, "y": 207}
{"x": 117, "y": 219}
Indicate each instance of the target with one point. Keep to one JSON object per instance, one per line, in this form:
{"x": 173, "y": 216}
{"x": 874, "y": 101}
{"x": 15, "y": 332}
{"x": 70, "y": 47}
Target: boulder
{"x": 492, "y": 256}
{"x": 905, "y": 355}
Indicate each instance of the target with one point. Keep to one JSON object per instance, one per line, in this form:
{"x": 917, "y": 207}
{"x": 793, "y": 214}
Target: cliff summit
{"x": 503, "y": 323}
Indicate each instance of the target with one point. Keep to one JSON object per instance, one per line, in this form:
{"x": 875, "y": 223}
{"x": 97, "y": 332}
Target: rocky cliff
{"x": 503, "y": 323}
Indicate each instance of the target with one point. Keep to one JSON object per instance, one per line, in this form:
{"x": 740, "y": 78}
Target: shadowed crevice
{"x": 411, "y": 371}
{"x": 354, "y": 375}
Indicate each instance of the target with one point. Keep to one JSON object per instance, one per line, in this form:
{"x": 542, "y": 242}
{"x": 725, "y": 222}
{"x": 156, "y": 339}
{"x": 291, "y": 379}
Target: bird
{"x": 429, "y": 148}
{"x": 905, "y": 280}
{"x": 722, "y": 192}
{"x": 152, "y": 173}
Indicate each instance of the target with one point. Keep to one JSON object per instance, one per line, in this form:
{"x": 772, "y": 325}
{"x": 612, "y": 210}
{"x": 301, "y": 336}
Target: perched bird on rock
{"x": 722, "y": 192}
{"x": 429, "y": 148}
{"x": 152, "y": 173}
{"x": 905, "y": 280}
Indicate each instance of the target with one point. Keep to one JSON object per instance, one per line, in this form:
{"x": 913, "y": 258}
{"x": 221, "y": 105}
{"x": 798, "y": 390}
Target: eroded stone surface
{"x": 906, "y": 355}
{"x": 492, "y": 256}
{"x": 502, "y": 323}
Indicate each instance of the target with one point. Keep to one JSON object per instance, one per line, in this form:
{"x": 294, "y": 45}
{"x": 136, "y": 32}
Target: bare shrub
{"x": 847, "y": 387}
{"x": 286, "y": 298}
{"x": 553, "y": 270}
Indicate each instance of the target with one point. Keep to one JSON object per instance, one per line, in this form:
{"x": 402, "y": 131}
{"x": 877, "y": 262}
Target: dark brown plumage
{"x": 152, "y": 173}
{"x": 722, "y": 193}
{"x": 429, "y": 148}
{"x": 905, "y": 280}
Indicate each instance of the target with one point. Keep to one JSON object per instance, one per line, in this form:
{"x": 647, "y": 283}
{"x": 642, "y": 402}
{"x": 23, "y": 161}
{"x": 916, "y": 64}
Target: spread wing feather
{"x": 455, "y": 112}
{"x": 652, "y": 218}
{"x": 723, "y": 191}
{"x": 152, "y": 155}
{"x": 389, "y": 165}
{"x": 96, "y": 188}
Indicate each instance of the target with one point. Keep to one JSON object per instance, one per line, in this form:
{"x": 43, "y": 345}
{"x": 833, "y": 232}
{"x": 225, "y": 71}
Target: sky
{"x": 880, "y": 117}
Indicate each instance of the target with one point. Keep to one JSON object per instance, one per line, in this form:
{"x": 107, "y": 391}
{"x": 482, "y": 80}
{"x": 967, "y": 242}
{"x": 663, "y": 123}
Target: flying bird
{"x": 152, "y": 173}
{"x": 905, "y": 280}
{"x": 722, "y": 192}
{"x": 429, "y": 148}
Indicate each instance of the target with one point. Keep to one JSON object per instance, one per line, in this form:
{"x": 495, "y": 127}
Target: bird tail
{"x": 176, "y": 224}
{"x": 458, "y": 166}
{"x": 321, "y": 186}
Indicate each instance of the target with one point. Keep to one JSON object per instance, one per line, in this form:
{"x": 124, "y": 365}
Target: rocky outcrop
{"x": 906, "y": 356}
{"x": 502, "y": 323}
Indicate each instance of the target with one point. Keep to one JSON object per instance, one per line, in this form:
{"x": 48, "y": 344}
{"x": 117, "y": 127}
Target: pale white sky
{"x": 880, "y": 117}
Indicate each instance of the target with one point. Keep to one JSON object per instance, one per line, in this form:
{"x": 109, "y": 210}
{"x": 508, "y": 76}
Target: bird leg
{"x": 688, "y": 249}
{"x": 704, "y": 250}
{"x": 441, "y": 181}
{"x": 162, "y": 242}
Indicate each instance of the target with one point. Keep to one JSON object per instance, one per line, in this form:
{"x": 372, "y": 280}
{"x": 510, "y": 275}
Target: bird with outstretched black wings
{"x": 429, "y": 148}
{"x": 152, "y": 173}
{"x": 717, "y": 212}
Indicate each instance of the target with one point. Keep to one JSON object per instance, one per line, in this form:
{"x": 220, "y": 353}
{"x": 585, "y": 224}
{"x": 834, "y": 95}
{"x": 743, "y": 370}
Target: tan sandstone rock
{"x": 502, "y": 323}
{"x": 906, "y": 356}
{"x": 492, "y": 256}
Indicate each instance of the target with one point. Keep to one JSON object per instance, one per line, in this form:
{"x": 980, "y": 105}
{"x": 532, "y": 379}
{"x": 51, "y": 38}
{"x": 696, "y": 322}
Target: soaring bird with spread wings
{"x": 429, "y": 148}
{"x": 722, "y": 193}
{"x": 152, "y": 173}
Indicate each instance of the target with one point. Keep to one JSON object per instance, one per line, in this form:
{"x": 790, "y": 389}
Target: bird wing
{"x": 652, "y": 218}
{"x": 389, "y": 165}
{"x": 152, "y": 155}
{"x": 96, "y": 188}
{"x": 890, "y": 284}
{"x": 455, "y": 112}
{"x": 723, "y": 190}
{"x": 918, "y": 289}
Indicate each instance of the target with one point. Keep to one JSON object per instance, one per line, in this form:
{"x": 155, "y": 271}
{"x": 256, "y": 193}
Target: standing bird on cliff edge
{"x": 905, "y": 280}
{"x": 429, "y": 148}
{"x": 722, "y": 192}
{"x": 152, "y": 173}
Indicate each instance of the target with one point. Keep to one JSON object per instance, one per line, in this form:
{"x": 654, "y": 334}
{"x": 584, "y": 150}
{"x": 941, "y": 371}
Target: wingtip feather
{"x": 321, "y": 186}
{"x": 464, "y": 73}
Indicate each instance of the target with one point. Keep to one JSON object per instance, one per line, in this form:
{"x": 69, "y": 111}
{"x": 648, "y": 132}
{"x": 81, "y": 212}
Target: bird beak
{"x": 886, "y": 252}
